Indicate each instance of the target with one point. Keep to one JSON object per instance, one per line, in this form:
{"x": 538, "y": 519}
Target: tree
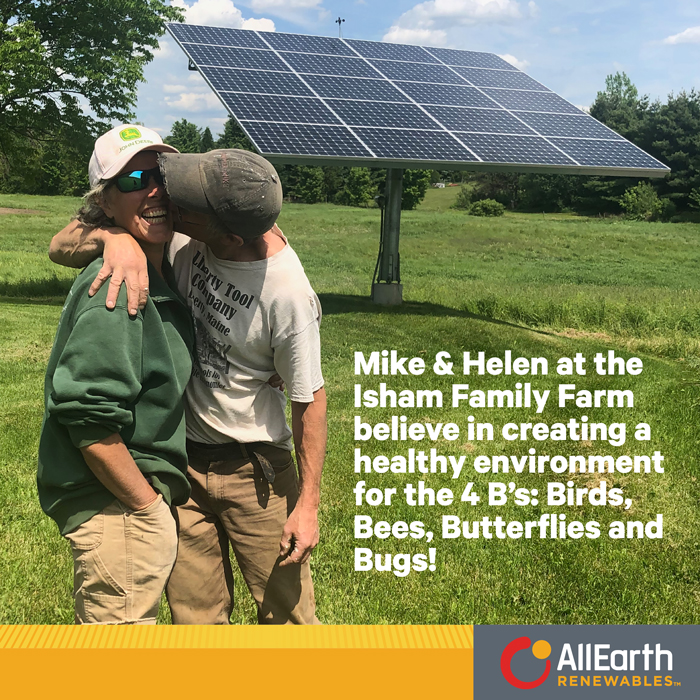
{"x": 357, "y": 189}
{"x": 206, "y": 143}
{"x": 54, "y": 52}
{"x": 333, "y": 180}
{"x": 671, "y": 135}
{"x": 415, "y": 185}
{"x": 503, "y": 187}
{"x": 234, "y": 137}
{"x": 302, "y": 183}
{"x": 620, "y": 107}
{"x": 185, "y": 136}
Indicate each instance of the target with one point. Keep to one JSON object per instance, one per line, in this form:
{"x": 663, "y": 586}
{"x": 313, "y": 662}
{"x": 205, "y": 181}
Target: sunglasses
{"x": 137, "y": 180}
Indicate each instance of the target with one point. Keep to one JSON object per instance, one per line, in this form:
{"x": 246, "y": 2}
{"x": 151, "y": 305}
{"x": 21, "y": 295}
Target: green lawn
{"x": 539, "y": 285}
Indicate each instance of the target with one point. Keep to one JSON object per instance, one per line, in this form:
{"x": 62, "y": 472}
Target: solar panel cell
{"x": 531, "y": 101}
{"x": 423, "y": 72}
{"x": 355, "y": 88}
{"x": 475, "y": 59}
{"x": 484, "y": 120}
{"x": 355, "y": 113}
{"x": 307, "y": 44}
{"x": 305, "y": 140}
{"x": 258, "y": 81}
{"x": 329, "y": 65}
{"x": 482, "y": 77}
{"x": 216, "y": 35}
{"x": 607, "y": 153}
{"x": 396, "y": 52}
{"x": 414, "y": 145}
{"x": 302, "y": 110}
{"x": 424, "y": 93}
{"x": 234, "y": 58}
{"x": 514, "y": 149}
{"x": 567, "y": 125}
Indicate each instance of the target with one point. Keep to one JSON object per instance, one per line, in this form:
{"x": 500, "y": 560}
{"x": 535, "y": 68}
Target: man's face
{"x": 192, "y": 224}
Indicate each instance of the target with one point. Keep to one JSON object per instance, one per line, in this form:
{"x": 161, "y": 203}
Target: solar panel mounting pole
{"x": 388, "y": 290}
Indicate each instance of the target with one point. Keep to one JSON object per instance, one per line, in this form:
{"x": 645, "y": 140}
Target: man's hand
{"x": 124, "y": 261}
{"x": 77, "y": 245}
{"x": 300, "y": 535}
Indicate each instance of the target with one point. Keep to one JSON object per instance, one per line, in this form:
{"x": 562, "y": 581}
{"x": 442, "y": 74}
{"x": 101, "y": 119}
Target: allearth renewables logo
{"x": 610, "y": 667}
{"x": 540, "y": 650}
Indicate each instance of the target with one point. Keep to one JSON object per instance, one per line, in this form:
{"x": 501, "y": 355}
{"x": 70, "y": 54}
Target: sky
{"x": 568, "y": 45}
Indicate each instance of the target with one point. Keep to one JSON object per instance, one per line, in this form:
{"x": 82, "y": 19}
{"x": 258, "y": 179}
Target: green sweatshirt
{"x": 110, "y": 373}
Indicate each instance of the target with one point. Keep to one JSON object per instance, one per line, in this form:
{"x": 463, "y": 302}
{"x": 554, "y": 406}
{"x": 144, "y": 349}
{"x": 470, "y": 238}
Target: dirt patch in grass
{"x": 575, "y": 333}
{"x": 7, "y": 210}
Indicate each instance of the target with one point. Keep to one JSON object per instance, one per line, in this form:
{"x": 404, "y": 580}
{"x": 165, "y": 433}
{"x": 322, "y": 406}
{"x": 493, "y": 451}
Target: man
{"x": 255, "y": 314}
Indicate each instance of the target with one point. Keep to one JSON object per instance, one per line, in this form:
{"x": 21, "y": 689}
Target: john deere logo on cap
{"x": 129, "y": 134}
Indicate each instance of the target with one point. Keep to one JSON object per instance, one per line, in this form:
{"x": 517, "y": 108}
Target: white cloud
{"x": 517, "y": 62}
{"x": 193, "y": 102}
{"x": 305, "y": 12}
{"x": 428, "y": 21}
{"x": 173, "y": 88}
{"x": 164, "y": 50}
{"x": 689, "y": 36}
{"x": 261, "y": 25}
{"x": 533, "y": 9}
{"x": 422, "y": 37}
{"x": 220, "y": 13}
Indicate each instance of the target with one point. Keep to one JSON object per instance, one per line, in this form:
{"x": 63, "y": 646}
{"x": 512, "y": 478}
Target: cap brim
{"x": 183, "y": 181}
{"x": 120, "y": 163}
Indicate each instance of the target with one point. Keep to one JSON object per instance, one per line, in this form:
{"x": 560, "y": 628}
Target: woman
{"x": 112, "y": 452}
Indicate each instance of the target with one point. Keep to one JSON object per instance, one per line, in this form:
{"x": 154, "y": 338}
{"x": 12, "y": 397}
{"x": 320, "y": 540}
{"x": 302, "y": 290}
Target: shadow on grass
{"x": 51, "y": 291}
{"x": 352, "y": 303}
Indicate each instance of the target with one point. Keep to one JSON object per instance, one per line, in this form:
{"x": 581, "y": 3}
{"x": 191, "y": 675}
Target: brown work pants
{"x": 233, "y": 501}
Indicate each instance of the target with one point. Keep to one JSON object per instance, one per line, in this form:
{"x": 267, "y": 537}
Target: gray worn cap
{"x": 240, "y": 188}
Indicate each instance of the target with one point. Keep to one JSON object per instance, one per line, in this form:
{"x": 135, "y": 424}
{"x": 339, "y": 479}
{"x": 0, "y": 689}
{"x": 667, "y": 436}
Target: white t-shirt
{"x": 252, "y": 319}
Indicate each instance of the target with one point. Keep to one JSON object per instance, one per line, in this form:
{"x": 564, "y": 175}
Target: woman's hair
{"x": 91, "y": 212}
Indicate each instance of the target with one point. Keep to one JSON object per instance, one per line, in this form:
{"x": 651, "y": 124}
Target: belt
{"x": 228, "y": 450}
{"x": 233, "y": 450}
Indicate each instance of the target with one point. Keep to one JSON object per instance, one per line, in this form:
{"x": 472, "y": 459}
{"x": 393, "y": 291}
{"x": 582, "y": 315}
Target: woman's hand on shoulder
{"x": 125, "y": 263}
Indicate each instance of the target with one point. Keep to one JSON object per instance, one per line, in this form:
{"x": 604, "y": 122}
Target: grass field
{"x": 539, "y": 285}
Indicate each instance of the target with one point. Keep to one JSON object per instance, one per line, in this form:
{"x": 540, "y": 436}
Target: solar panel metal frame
{"x": 372, "y": 160}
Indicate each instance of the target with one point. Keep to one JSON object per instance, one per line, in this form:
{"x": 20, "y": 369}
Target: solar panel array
{"x": 310, "y": 98}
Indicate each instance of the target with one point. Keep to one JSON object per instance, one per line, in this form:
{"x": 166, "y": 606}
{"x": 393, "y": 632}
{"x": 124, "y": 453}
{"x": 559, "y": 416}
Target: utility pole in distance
{"x": 339, "y": 22}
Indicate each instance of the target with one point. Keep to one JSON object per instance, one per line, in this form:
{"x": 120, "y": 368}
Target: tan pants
{"x": 122, "y": 560}
{"x": 232, "y": 500}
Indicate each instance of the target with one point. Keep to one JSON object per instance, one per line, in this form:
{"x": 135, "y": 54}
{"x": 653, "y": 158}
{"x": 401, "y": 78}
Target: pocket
{"x": 99, "y": 597}
{"x": 89, "y": 534}
{"x": 278, "y": 458}
{"x": 272, "y": 469}
{"x": 148, "y": 510}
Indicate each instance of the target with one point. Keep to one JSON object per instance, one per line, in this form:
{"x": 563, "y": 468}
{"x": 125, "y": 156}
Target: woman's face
{"x": 145, "y": 214}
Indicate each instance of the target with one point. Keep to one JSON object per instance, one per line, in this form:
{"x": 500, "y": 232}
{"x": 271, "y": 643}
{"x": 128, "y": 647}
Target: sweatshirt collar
{"x": 163, "y": 288}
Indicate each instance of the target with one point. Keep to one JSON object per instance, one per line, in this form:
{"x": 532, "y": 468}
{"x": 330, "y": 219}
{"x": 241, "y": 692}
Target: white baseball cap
{"x": 118, "y": 146}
